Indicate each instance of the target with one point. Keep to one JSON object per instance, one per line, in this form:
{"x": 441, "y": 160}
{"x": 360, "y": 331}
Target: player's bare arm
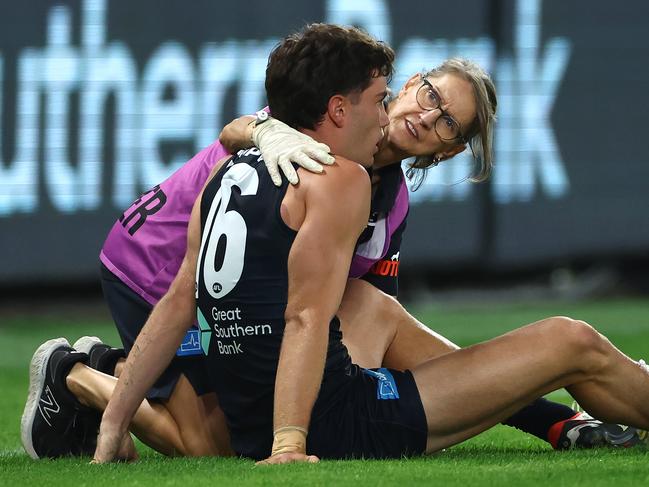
{"x": 155, "y": 345}
{"x": 318, "y": 265}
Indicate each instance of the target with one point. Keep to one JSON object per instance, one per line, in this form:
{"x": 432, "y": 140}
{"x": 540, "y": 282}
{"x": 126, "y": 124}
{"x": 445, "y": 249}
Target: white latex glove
{"x": 280, "y": 145}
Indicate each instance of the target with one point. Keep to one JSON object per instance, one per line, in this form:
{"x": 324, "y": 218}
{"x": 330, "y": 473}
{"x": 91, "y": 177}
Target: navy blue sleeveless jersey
{"x": 242, "y": 291}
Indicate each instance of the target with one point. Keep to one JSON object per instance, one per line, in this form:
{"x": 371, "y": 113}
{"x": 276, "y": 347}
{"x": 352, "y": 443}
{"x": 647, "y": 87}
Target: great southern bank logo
{"x": 205, "y": 332}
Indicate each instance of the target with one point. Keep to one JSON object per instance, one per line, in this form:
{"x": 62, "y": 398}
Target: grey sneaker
{"x": 54, "y": 422}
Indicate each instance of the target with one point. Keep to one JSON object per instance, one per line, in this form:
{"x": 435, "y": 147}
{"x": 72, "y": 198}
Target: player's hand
{"x": 113, "y": 445}
{"x": 281, "y": 145}
{"x": 289, "y": 458}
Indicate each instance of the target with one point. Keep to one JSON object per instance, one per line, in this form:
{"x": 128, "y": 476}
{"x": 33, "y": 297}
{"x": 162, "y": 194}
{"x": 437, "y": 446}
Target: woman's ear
{"x": 451, "y": 152}
{"x": 412, "y": 81}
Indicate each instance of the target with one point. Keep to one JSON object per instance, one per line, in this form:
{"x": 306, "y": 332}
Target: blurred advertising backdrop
{"x": 101, "y": 100}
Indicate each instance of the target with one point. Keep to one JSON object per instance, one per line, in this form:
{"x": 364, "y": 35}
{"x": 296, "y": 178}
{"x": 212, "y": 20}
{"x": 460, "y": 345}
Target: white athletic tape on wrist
{"x": 289, "y": 439}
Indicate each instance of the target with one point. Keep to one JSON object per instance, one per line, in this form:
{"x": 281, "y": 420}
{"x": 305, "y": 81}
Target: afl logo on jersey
{"x": 216, "y": 287}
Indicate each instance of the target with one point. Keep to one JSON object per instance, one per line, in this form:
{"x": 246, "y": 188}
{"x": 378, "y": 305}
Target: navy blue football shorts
{"x": 378, "y": 415}
{"x": 130, "y": 312}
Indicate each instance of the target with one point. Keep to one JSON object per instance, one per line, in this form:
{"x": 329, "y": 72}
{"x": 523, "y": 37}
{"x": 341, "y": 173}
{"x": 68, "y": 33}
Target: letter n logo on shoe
{"x": 48, "y": 405}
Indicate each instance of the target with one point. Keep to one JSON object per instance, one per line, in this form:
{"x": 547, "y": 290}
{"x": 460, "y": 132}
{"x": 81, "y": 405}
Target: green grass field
{"x": 502, "y": 456}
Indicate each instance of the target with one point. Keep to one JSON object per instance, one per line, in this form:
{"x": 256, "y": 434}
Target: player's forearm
{"x": 237, "y": 134}
{"x": 151, "y": 354}
{"x": 299, "y": 373}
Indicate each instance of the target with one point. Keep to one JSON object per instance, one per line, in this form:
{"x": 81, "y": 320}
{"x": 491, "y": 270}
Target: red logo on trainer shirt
{"x": 387, "y": 267}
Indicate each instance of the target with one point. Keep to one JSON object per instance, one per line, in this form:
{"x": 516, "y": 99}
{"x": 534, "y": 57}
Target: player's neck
{"x": 331, "y": 137}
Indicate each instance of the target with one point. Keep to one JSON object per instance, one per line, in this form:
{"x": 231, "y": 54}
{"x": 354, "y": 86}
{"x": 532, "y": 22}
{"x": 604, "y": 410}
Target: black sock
{"x": 538, "y": 417}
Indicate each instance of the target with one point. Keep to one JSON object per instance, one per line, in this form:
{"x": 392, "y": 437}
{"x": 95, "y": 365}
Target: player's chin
{"x": 403, "y": 143}
{"x": 367, "y": 159}
{"x": 369, "y": 162}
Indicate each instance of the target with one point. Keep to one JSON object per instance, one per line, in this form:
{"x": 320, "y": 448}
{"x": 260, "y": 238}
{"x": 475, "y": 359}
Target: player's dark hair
{"x": 307, "y": 68}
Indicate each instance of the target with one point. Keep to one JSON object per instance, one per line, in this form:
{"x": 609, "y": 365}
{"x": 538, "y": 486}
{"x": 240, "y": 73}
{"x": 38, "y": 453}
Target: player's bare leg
{"x": 119, "y": 365}
{"x": 379, "y": 332}
{"x": 369, "y": 316}
{"x": 199, "y": 420}
{"x": 470, "y": 390}
{"x": 154, "y": 427}
{"x": 154, "y": 422}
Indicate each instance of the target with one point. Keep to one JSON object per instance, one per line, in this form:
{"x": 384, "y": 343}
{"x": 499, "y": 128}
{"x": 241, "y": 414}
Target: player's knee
{"x": 119, "y": 366}
{"x": 384, "y": 307}
{"x": 388, "y": 307}
{"x": 196, "y": 439}
{"x": 363, "y": 300}
{"x": 197, "y": 445}
{"x": 361, "y": 292}
{"x": 581, "y": 342}
{"x": 582, "y": 336}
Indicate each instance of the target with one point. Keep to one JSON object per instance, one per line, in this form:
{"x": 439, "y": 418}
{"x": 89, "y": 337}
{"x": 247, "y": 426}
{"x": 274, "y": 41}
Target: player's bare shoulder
{"x": 352, "y": 169}
{"x": 342, "y": 189}
{"x": 343, "y": 177}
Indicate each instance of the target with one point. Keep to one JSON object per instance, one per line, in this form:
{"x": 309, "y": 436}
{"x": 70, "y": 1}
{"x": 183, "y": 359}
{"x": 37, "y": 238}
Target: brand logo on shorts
{"x": 386, "y": 387}
{"x": 191, "y": 344}
{"x": 387, "y": 267}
